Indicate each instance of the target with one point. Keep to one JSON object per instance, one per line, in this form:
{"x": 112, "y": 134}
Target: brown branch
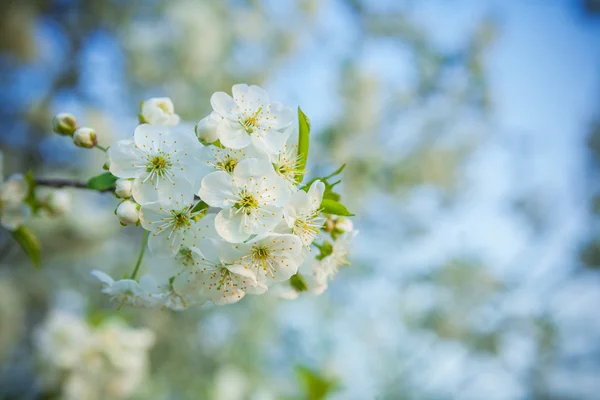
{"x": 61, "y": 183}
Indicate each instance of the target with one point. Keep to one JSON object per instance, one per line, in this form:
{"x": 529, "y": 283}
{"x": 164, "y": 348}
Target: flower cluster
{"x": 81, "y": 361}
{"x": 225, "y": 201}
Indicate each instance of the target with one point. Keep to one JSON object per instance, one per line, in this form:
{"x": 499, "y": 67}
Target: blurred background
{"x": 471, "y": 134}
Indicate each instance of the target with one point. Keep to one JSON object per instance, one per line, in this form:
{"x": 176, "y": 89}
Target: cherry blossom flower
{"x": 172, "y": 224}
{"x": 251, "y": 199}
{"x": 302, "y": 213}
{"x": 208, "y": 276}
{"x": 249, "y": 117}
{"x": 272, "y": 258}
{"x": 159, "y": 160}
{"x": 129, "y": 291}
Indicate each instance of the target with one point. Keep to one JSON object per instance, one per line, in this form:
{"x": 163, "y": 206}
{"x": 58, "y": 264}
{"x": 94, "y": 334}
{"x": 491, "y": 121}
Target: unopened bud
{"x": 64, "y": 124}
{"x": 158, "y": 111}
{"x": 85, "y": 137}
{"x": 344, "y": 225}
{"x": 123, "y": 188}
{"x": 59, "y": 202}
{"x": 206, "y": 129}
{"x": 128, "y": 213}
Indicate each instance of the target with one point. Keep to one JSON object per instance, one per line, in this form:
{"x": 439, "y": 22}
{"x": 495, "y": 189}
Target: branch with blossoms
{"x": 226, "y": 203}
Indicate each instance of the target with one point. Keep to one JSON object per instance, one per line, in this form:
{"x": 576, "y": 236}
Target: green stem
{"x": 141, "y": 256}
{"x": 104, "y": 149}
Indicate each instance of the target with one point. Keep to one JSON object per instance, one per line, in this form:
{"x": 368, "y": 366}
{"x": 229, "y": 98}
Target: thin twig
{"x": 61, "y": 183}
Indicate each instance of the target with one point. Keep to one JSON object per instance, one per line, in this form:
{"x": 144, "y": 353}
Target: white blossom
{"x": 249, "y": 117}
{"x": 340, "y": 250}
{"x": 251, "y": 199}
{"x": 159, "y": 111}
{"x": 62, "y": 339}
{"x": 302, "y": 213}
{"x": 13, "y": 210}
{"x": 128, "y": 213}
{"x": 226, "y": 159}
{"x": 81, "y": 361}
{"x": 344, "y": 224}
{"x": 129, "y": 291}
{"x": 272, "y": 258}
{"x": 159, "y": 160}
{"x": 208, "y": 276}
{"x": 172, "y": 225}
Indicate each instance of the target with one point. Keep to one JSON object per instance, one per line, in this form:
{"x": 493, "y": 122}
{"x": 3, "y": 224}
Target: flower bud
{"x": 64, "y": 124}
{"x": 123, "y": 188}
{"x": 59, "y": 202}
{"x": 206, "y": 129}
{"x": 85, "y": 137}
{"x": 128, "y": 213}
{"x": 344, "y": 225}
{"x": 158, "y": 111}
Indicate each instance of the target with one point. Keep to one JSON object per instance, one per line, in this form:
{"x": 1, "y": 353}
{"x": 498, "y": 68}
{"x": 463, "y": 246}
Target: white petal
{"x": 243, "y": 271}
{"x": 202, "y": 229}
{"x": 239, "y": 92}
{"x": 315, "y": 194}
{"x": 232, "y": 134}
{"x": 269, "y": 217}
{"x": 223, "y": 104}
{"x": 149, "y": 137}
{"x": 217, "y": 189}
{"x": 269, "y": 140}
{"x": 249, "y": 98}
{"x": 253, "y": 167}
{"x": 280, "y": 116}
{"x": 230, "y": 226}
{"x": 152, "y": 215}
{"x": 102, "y": 277}
{"x": 286, "y": 245}
{"x": 298, "y": 205}
{"x": 162, "y": 245}
{"x": 209, "y": 250}
{"x": 125, "y": 159}
{"x": 279, "y": 191}
{"x": 144, "y": 192}
{"x": 176, "y": 195}
{"x": 220, "y": 298}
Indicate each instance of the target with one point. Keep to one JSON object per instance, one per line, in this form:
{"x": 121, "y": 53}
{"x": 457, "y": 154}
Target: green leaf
{"x": 330, "y": 206}
{"x": 303, "y": 141}
{"x": 29, "y": 243}
{"x": 200, "y": 206}
{"x": 297, "y": 282}
{"x": 314, "y": 384}
{"x": 103, "y": 181}
{"x": 336, "y": 172}
{"x": 325, "y": 249}
{"x": 324, "y": 179}
{"x": 330, "y": 194}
